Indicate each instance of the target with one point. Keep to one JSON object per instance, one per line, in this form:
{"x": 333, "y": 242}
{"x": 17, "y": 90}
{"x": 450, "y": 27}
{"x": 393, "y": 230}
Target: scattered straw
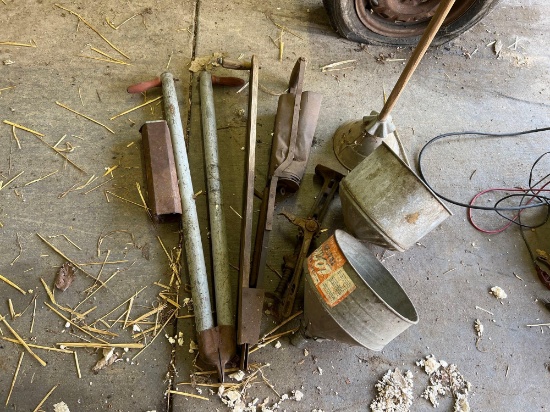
{"x": 83, "y": 115}
{"x": 99, "y": 185}
{"x": 24, "y": 128}
{"x": 9, "y": 282}
{"x": 190, "y": 395}
{"x": 12, "y": 43}
{"x": 39, "y": 136}
{"x": 128, "y": 312}
{"x": 119, "y": 306}
{"x": 66, "y": 258}
{"x": 80, "y": 18}
{"x": 15, "y": 377}
{"x": 45, "y": 398}
{"x": 123, "y": 199}
{"x": 276, "y": 328}
{"x": 67, "y": 239}
{"x": 12, "y": 311}
{"x": 237, "y": 213}
{"x": 32, "y": 345}
{"x": 135, "y": 108}
{"x": 109, "y": 57}
{"x": 2, "y": 185}
{"x": 33, "y": 316}
{"x": 7, "y": 88}
{"x": 74, "y": 324}
{"x": 104, "y": 60}
{"x": 154, "y": 337}
{"x": 100, "y": 345}
{"x": 335, "y": 66}
{"x": 124, "y": 22}
{"x": 14, "y": 333}
{"x": 77, "y": 365}
{"x": 41, "y": 178}
{"x": 146, "y": 315}
{"x": 15, "y": 137}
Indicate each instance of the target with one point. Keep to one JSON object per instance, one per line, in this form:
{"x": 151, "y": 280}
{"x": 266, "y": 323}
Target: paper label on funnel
{"x": 325, "y": 267}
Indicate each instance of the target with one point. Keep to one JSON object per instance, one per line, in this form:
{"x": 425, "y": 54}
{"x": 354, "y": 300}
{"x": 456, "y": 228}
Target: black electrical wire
{"x": 472, "y": 134}
{"x": 541, "y": 200}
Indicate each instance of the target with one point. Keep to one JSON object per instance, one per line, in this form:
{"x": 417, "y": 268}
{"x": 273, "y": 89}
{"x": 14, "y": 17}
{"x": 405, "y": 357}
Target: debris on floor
{"x": 498, "y": 292}
{"x": 65, "y": 276}
{"x": 109, "y": 357}
{"x": 445, "y": 380}
{"x": 61, "y": 407}
{"x": 395, "y": 392}
{"x": 478, "y": 326}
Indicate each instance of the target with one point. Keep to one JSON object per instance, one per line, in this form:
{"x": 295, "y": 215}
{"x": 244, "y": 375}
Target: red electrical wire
{"x": 500, "y": 189}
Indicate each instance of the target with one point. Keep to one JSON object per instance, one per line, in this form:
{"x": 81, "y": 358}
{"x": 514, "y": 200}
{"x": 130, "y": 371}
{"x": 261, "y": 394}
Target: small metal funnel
{"x": 355, "y": 140}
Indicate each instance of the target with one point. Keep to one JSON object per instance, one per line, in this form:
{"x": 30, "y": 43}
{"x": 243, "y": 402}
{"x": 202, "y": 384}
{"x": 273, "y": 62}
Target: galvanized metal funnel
{"x": 355, "y": 140}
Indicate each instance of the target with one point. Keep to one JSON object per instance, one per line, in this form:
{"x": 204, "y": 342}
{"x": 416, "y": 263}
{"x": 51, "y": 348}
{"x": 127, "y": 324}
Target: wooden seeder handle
{"x": 425, "y": 41}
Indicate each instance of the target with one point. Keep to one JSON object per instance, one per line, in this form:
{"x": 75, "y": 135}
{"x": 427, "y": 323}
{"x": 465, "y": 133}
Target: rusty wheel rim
{"x": 404, "y": 18}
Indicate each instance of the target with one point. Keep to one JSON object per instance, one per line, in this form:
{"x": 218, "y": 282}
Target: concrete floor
{"x": 446, "y": 277}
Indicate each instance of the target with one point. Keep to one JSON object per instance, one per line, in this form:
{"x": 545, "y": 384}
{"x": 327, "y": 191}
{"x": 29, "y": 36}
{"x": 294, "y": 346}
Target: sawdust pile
{"x": 445, "y": 380}
{"x": 395, "y": 392}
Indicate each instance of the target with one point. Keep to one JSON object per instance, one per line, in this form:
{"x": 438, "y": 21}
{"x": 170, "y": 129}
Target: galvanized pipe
{"x": 189, "y": 219}
{"x": 225, "y": 307}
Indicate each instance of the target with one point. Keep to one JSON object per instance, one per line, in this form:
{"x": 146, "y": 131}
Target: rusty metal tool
{"x": 309, "y": 228}
{"x": 250, "y": 300}
{"x": 222, "y": 340}
{"x": 160, "y": 171}
{"x": 295, "y": 124}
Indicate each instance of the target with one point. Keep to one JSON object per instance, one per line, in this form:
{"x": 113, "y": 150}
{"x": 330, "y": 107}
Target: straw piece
{"x": 135, "y": 108}
{"x": 41, "y": 178}
{"x": 104, "y": 60}
{"x": 12, "y": 43}
{"x": 15, "y": 137}
{"x": 100, "y": 345}
{"x": 77, "y": 365}
{"x": 276, "y": 328}
{"x": 83, "y": 115}
{"x": 91, "y": 27}
{"x": 45, "y": 398}
{"x": 10, "y": 181}
{"x": 145, "y": 316}
{"x": 14, "y": 377}
{"x": 24, "y": 128}
{"x": 9, "y": 282}
{"x": 124, "y": 199}
{"x": 106, "y": 55}
{"x": 191, "y": 395}
{"x": 32, "y": 345}
{"x": 33, "y": 316}
{"x": 14, "y": 333}
{"x": 128, "y": 312}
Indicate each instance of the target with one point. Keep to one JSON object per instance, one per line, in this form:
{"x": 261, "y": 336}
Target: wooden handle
{"x": 235, "y": 64}
{"x": 427, "y": 38}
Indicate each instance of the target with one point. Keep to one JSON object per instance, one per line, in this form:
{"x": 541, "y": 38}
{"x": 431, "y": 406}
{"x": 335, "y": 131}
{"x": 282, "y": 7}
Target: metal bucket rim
{"x": 341, "y": 233}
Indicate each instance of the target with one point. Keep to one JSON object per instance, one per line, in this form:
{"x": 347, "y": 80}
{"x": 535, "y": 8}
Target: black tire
{"x": 346, "y": 20}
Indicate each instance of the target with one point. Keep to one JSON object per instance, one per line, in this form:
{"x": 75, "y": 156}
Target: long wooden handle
{"x": 418, "y": 53}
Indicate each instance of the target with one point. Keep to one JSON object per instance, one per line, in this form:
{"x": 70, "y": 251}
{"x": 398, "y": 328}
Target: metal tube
{"x": 189, "y": 218}
{"x": 225, "y": 309}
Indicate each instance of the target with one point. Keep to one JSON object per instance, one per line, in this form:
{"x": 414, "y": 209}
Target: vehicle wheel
{"x": 401, "y": 22}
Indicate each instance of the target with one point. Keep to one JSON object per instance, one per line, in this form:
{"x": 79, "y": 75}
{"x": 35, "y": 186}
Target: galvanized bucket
{"x": 384, "y": 202}
{"x": 351, "y": 297}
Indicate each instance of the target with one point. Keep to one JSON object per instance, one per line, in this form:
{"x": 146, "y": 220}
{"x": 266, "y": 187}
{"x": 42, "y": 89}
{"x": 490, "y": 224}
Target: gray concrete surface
{"x": 446, "y": 277}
